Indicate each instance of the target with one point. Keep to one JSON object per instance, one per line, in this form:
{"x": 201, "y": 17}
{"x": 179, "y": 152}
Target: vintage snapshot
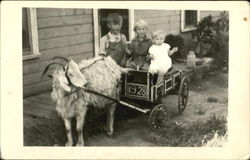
{"x": 123, "y": 77}
{"x": 126, "y": 81}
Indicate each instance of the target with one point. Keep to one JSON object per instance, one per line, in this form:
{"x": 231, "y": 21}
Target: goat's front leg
{"x": 110, "y": 118}
{"x": 67, "y": 123}
{"x": 79, "y": 126}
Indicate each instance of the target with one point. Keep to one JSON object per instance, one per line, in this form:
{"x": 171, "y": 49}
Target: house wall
{"x": 166, "y": 20}
{"x": 61, "y": 32}
{"x": 69, "y": 33}
{"x": 214, "y": 14}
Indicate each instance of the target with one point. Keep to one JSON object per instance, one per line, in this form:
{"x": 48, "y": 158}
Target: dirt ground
{"x": 208, "y": 96}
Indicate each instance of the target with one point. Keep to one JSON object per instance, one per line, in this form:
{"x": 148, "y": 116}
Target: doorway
{"x": 103, "y": 28}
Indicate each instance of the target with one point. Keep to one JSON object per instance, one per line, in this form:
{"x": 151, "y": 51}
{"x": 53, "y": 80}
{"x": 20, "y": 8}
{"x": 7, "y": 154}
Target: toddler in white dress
{"x": 159, "y": 54}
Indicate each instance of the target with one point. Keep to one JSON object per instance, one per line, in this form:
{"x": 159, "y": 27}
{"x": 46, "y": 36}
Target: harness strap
{"x": 91, "y": 91}
{"x": 92, "y": 63}
{"x": 100, "y": 94}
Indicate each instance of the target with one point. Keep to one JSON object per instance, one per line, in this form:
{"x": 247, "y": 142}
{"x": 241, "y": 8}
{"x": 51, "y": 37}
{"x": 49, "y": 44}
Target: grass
{"x": 43, "y": 132}
{"x": 47, "y": 132}
{"x": 187, "y": 136}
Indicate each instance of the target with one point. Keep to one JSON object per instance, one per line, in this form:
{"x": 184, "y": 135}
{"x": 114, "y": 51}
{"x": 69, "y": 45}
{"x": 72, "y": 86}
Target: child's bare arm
{"x": 151, "y": 56}
{"x": 126, "y": 44}
{"x": 175, "y": 49}
{"x": 127, "y": 48}
{"x": 102, "y": 49}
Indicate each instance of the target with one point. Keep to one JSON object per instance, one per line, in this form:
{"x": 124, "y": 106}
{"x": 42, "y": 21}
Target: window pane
{"x": 25, "y": 31}
{"x": 190, "y": 18}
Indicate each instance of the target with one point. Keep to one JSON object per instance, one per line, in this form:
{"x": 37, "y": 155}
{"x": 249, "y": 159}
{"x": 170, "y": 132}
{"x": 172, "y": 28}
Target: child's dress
{"x": 139, "y": 50}
{"x": 115, "y": 46}
{"x": 161, "y": 62}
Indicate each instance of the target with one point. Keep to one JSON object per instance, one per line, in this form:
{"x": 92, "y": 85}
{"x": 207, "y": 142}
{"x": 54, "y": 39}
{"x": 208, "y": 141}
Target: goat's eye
{"x": 69, "y": 74}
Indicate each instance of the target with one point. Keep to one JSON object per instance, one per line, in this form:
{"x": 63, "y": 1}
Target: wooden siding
{"x": 214, "y": 14}
{"x": 167, "y": 20}
{"x": 61, "y": 32}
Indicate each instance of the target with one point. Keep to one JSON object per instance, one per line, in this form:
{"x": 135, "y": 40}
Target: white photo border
{"x": 12, "y": 100}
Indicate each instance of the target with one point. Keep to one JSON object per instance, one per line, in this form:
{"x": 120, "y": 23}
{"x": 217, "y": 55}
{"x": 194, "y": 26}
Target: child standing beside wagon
{"x": 114, "y": 43}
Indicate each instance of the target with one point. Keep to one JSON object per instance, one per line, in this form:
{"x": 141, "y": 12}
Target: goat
{"x": 99, "y": 74}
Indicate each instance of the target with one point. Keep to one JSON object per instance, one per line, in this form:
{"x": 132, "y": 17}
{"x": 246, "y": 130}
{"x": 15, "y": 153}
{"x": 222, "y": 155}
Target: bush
{"x": 188, "y": 136}
{"x": 216, "y": 141}
{"x": 216, "y": 34}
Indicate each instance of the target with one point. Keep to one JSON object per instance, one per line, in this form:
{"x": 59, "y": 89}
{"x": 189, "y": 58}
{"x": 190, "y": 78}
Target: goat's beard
{"x": 57, "y": 94}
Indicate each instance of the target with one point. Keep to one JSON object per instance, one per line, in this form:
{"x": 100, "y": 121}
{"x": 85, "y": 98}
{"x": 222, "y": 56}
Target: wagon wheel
{"x": 183, "y": 95}
{"x": 158, "y": 116}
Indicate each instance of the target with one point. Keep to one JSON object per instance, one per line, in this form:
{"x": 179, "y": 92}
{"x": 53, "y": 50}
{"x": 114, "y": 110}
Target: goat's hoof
{"x": 110, "y": 133}
{"x": 80, "y": 144}
{"x": 69, "y": 144}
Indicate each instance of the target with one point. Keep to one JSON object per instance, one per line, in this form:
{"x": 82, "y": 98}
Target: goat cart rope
{"x": 116, "y": 100}
{"x": 158, "y": 115}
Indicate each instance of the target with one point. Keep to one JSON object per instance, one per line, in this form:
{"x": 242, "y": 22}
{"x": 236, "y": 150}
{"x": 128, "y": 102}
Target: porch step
{"x": 40, "y": 106}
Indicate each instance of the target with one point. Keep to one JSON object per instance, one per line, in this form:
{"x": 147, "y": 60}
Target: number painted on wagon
{"x": 137, "y": 90}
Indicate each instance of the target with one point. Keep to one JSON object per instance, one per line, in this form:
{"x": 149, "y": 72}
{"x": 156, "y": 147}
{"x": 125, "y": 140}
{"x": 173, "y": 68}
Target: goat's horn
{"x": 62, "y": 58}
{"x": 44, "y": 73}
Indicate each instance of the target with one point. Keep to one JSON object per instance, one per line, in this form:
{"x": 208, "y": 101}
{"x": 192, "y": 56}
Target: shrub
{"x": 215, "y": 32}
{"x": 189, "y": 135}
{"x": 216, "y": 141}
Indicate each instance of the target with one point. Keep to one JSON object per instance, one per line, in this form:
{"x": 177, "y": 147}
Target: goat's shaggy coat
{"x": 103, "y": 76}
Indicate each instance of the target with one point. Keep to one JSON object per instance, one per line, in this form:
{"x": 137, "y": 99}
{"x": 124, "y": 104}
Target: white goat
{"x": 99, "y": 74}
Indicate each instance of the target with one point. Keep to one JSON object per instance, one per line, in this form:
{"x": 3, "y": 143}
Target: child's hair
{"x": 140, "y": 23}
{"x": 158, "y": 33}
{"x": 114, "y": 18}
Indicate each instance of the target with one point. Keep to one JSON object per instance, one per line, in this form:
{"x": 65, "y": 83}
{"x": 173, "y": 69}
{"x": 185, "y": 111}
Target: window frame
{"x": 33, "y": 35}
{"x": 97, "y": 28}
{"x": 190, "y": 28}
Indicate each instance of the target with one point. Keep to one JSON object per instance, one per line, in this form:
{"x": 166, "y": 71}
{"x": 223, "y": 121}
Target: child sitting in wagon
{"x": 114, "y": 43}
{"x": 139, "y": 46}
{"x": 159, "y": 53}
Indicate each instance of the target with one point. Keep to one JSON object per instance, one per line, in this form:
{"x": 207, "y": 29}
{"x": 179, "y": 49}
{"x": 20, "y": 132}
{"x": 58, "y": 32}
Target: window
{"x": 100, "y": 24}
{"x": 29, "y": 34}
{"x": 189, "y": 20}
{"x": 25, "y": 32}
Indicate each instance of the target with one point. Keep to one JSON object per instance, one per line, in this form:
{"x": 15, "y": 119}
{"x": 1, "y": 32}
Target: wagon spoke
{"x": 183, "y": 95}
{"x": 158, "y": 116}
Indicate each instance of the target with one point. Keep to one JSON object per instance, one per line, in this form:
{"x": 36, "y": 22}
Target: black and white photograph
{"x": 125, "y": 77}
{"x": 109, "y": 85}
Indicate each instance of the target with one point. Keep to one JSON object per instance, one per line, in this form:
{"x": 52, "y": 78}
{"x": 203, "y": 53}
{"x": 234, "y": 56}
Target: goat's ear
{"x": 65, "y": 87}
{"x": 65, "y": 84}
